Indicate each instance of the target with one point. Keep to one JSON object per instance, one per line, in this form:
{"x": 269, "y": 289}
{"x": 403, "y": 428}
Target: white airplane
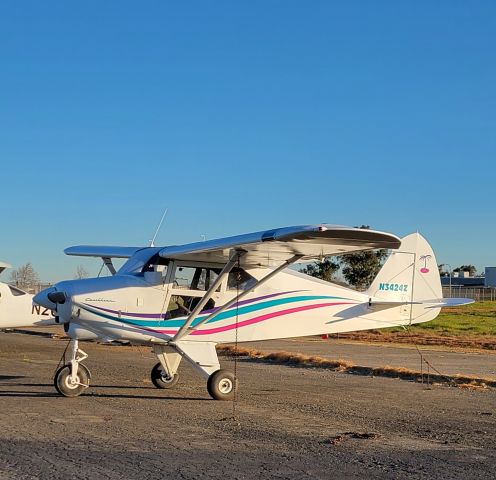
{"x": 17, "y": 309}
{"x": 183, "y": 300}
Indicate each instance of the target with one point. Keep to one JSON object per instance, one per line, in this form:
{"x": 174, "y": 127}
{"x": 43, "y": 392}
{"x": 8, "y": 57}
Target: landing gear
{"x": 72, "y": 379}
{"x": 161, "y": 379}
{"x": 221, "y": 385}
{"x": 164, "y": 373}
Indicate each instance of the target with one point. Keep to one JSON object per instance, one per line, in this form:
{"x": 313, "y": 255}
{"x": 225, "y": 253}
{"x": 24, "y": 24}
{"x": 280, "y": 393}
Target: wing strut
{"x": 233, "y": 259}
{"x": 108, "y": 262}
{"x": 186, "y": 329}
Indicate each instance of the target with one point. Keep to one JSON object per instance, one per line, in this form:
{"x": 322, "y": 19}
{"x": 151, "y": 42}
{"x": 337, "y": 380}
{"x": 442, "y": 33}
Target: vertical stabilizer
{"x": 410, "y": 274}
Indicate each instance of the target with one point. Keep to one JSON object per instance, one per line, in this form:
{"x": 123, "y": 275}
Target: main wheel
{"x": 221, "y": 385}
{"x": 63, "y": 382}
{"x": 160, "y": 379}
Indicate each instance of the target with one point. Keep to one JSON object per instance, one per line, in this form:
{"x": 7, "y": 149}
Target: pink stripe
{"x": 258, "y": 319}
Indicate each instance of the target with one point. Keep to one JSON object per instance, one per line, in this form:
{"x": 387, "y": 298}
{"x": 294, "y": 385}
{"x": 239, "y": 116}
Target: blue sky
{"x": 241, "y": 116}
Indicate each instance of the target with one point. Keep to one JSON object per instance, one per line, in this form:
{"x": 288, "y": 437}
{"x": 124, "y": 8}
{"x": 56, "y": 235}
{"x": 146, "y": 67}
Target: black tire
{"x": 160, "y": 379}
{"x": 221, "y": 385}
{"x": 62, "y": 381}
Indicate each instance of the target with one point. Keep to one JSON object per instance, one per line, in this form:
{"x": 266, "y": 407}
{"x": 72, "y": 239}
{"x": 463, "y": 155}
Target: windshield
{"x": 136, "y": 263}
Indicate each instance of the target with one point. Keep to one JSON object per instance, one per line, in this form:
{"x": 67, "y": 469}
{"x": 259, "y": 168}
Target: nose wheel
{"x": 70, "y": 385}
{"x": 73, "y": 378}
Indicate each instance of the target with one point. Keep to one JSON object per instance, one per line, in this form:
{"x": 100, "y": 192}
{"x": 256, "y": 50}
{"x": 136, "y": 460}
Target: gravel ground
{"x": 476, "y": 363}
{"x": 289, "y": 422}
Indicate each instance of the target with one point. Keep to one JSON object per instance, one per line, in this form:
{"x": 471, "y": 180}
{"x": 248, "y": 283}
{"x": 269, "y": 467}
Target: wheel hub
{"x": 165, "y": 378}
{"x": 225, "y": 385}
{"x": 69, "y": 383}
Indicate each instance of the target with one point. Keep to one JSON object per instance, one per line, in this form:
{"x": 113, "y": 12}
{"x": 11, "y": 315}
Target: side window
{"x": 195, "y": 278}
{"x": 16, "y": 292}
{"x": 239, "y": 278}
{"x": 188, "y": 287}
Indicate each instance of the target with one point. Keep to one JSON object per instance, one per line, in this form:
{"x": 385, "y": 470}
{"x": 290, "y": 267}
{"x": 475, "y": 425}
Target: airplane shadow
{"x": 93, "y": 393}
{"x": 14, "y": 393}
{"x": 11, "y": 377}
{"x": 127, "y": 387}
{"x": 146, "y": 397}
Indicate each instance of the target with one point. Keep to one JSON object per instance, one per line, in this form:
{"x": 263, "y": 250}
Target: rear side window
{"x": 240, "y": 278}
{"x": 16, "y": 292}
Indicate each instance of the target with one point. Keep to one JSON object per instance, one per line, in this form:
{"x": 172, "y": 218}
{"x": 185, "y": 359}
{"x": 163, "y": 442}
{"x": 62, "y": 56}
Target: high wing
{"x": 102, "y": 251}
{"x": 270, "y": 247}
{"x": 106, "y": 253}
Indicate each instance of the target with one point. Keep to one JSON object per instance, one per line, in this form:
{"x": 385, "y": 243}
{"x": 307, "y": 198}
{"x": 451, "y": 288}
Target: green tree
{"x": 442, "y": 271}
{"x": 323, "y": 269}
{"x": 466, "y": 268}
{"x": 359, "y": 269}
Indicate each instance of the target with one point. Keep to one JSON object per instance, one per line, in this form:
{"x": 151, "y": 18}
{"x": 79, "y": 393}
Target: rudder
{"x": 410, "y": 274}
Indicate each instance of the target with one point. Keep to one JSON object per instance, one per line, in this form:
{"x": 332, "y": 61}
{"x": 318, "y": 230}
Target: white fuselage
{"x": 141, "y": 308}
{"x": 17, "y": 309}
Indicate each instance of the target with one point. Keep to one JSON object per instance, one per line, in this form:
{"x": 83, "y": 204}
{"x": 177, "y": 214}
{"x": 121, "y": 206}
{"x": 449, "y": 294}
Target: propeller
{"x": 57, "y": 297}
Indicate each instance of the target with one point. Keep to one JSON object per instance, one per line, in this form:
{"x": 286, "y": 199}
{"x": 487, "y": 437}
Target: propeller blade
{"x": 57, "y": 297}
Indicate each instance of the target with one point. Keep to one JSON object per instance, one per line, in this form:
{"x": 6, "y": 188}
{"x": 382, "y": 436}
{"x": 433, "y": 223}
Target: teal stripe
{"x": 175, "y": 323}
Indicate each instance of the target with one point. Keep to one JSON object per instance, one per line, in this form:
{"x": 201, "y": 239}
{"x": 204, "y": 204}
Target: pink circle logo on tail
{"x": 425, "y": 259}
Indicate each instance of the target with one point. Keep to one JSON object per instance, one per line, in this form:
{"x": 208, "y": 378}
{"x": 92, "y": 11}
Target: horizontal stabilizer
{"x": 450, "y": 302}
{"x": 379, "y": 305}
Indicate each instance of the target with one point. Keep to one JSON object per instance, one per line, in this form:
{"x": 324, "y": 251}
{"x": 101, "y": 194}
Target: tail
{"x": 408, "y": 287}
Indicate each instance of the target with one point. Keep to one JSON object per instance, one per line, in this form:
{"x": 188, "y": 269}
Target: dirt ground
{"x": 289, "y": 422}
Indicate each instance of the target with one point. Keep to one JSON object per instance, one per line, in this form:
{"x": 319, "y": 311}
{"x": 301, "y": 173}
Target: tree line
{"x": 26, "y": 278}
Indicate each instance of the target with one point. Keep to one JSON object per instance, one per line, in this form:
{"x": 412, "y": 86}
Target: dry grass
{"x": 299, "y": 359}
{"x": 484, "y": 342}
{"x": 286, "y": 358}
{"x": 473, "y": 386}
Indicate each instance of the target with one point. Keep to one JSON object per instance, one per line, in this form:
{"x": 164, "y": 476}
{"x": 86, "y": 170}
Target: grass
{"x": 472, "y": 326}
{"x": 476, "y": 319}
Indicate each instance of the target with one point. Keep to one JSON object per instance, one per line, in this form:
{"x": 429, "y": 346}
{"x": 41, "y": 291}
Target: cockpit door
{"x": 187, "y": 284}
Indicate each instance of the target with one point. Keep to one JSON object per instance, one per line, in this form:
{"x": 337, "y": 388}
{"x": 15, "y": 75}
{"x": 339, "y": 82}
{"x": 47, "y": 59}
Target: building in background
{"x": 490, "y": 277}
{"x": 461, "y": 284}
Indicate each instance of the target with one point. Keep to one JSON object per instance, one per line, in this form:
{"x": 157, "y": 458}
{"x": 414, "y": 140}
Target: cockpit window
{"x": 16, "y": 291}
{"x": 195, "y": 278}
{"x": 156, "y": 264}
{"x": 138, "y": 262}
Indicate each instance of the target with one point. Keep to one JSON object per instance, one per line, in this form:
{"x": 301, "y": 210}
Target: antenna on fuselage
{"x": 152, "y": 241}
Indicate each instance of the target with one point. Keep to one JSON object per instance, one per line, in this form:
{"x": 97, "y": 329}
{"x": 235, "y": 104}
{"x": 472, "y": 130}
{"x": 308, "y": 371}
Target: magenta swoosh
{"x": 260, "y": 318}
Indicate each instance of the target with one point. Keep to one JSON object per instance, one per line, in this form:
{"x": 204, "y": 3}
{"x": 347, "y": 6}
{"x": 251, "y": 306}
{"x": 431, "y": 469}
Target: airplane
{"x": 184, "y": 300}
{"x": 17, "y": 309}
